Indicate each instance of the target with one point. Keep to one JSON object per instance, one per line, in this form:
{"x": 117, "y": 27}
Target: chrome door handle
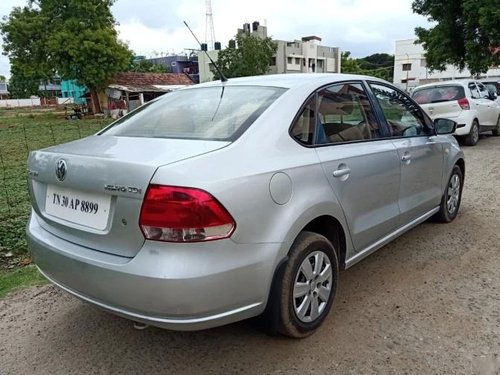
{"x": 341, "y": 172}
{"x": 406, "y": 157}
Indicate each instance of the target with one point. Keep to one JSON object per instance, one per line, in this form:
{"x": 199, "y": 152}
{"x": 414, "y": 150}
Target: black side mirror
{"x": 445, "y": 126}
{"x": 492, "y": 96}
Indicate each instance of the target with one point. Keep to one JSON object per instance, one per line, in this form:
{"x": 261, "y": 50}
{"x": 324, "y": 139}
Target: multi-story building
{"x": 51, "y": 87}
{"x": 179, "y": 64}
{"x": 299, "y": 56}
{"x": 410, "y": 67}
{"x": 305, "y": 56}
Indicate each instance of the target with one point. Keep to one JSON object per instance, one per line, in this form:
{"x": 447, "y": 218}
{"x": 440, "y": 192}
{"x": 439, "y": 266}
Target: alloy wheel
{"x": 453, "y": 194}
{"x": 312, "y": 287}
{"x": 475, "y": 133}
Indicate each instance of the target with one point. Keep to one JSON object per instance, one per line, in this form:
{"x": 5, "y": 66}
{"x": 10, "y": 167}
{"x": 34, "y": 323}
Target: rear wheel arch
{"x": 461, "y": 165}
{"x": 325, "y": 225}
{"x": 472, "y": 138}
{"x": 332, "y": 229}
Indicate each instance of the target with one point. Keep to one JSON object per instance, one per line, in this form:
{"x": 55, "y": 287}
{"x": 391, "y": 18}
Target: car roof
{"x": 292, "y": 80}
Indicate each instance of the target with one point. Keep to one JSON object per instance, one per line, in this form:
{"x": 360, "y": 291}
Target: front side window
{"x": 492, "y": 87}
{"x": 404, "y": 118}
{"x": 207, "y": 113}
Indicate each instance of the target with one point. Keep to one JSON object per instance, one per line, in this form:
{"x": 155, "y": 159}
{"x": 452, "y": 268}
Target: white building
{"x": 205, "y": 66}
{"x": 305, "y": 56}
{"x": 299, "y": 56}
{"x": 410, "y": 68}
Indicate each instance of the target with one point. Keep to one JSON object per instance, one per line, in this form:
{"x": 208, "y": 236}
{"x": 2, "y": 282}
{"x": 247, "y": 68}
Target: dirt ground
{"x": 428, "y": 303}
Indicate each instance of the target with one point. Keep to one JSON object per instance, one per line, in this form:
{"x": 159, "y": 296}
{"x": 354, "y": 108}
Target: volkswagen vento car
{"x": 228, "y": 200}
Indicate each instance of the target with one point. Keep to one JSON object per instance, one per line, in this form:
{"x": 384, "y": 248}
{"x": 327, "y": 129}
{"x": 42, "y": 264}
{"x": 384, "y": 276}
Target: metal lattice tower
{"x": 209, "y": 26}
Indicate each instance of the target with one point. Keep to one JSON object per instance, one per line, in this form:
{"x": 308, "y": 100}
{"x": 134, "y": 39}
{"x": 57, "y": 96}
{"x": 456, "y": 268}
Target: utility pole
{"x": 209, "y": 26}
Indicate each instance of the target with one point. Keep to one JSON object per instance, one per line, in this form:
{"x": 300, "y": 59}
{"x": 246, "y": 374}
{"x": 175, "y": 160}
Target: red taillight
{"x": 181, "y": 214}
{"x": 463, "y": 103}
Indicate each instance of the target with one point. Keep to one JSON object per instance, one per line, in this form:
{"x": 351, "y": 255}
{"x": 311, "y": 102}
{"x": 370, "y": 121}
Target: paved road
{"x": 428, "y": 303}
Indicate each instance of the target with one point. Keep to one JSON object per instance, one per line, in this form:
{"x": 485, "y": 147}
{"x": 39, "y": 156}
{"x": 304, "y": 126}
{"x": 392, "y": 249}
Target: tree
{"x": 26, "y": 50}
{"x": 248, "y": 55}
{"x": 146, "y": 66}
{"x": 349, "y": 64}
{"x": 379, "y": 65}
{"x": 23, "y": 86}
{"x": 466, "y": 33}
{"x": 74, "y": 38}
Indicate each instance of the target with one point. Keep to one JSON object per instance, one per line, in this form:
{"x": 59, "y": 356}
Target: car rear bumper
{"x": 464, "y": 122}
{"x": 174, "y": 286}
{"x": 463, "y": 119}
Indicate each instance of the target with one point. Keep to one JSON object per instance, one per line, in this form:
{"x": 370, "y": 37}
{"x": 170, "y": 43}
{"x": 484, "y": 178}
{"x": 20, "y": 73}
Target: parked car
{"x": 224, "y": 201}
{"x": 466, "y": 102}
{"x": 493, "y": 86}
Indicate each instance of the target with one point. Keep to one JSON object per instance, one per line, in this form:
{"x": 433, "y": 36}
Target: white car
{"x": 467, "y": 102}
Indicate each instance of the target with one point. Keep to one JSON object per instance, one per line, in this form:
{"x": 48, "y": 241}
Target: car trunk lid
{"x": 90, "y": 191}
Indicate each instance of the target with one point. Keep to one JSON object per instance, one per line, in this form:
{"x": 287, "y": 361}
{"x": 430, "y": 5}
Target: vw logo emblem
{"x": 61, "y": 169}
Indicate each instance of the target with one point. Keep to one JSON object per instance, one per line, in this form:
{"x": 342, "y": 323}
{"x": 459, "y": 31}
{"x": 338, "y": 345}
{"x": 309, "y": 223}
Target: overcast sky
{"x": 154, "y": 27}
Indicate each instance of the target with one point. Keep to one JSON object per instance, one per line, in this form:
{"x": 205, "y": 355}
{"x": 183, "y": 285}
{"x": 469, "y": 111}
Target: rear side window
{"x": 336, "y": 114}
{"x": 345, "y": 114}
{"x": 438, "y": 94}
{"x": 207, "y": 113}
{"x": 474, "y": 91}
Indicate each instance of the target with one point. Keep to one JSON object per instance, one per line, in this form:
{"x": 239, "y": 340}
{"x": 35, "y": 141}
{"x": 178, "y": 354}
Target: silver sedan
{"x": 228, "y": 200}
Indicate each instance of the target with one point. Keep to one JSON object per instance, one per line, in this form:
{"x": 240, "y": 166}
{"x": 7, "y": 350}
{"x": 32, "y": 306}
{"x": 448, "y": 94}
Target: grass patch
{"x": 19, "y": 279}
{"x": 22, "y": 131}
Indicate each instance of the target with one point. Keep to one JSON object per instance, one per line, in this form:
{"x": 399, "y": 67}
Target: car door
{"x": 419, "y": 151}
{"x": 361, "y": 166}
{"x": 490, "y": 106}
{"x": 478, "y": 104}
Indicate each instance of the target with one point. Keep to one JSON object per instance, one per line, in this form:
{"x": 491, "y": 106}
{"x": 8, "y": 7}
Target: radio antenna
{"x": 222, "y": 76}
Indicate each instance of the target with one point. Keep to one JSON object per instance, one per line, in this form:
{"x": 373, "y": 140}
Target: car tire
{"x": 496, "y": 130}
{"x": 450, "y": 202}
{"x": 308, "y": 285}
{"x": 472, "y": 138}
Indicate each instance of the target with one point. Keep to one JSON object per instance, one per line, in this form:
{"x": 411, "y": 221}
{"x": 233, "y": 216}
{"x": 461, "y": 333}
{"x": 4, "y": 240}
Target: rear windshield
{"x": 207, "y": 113}
{"x": 438, "y": 94}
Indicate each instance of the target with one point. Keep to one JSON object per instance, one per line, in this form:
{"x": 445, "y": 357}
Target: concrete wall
{"x": 20, "y": 103}
{"x": 35, "y": 102}
{"x": 63, "y": 101}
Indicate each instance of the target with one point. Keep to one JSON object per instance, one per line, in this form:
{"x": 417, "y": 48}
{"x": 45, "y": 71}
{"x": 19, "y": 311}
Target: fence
{"x": 21, "y": 133}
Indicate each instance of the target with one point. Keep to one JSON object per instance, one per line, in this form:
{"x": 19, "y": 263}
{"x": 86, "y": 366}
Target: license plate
{"x": 83, "y": 208}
